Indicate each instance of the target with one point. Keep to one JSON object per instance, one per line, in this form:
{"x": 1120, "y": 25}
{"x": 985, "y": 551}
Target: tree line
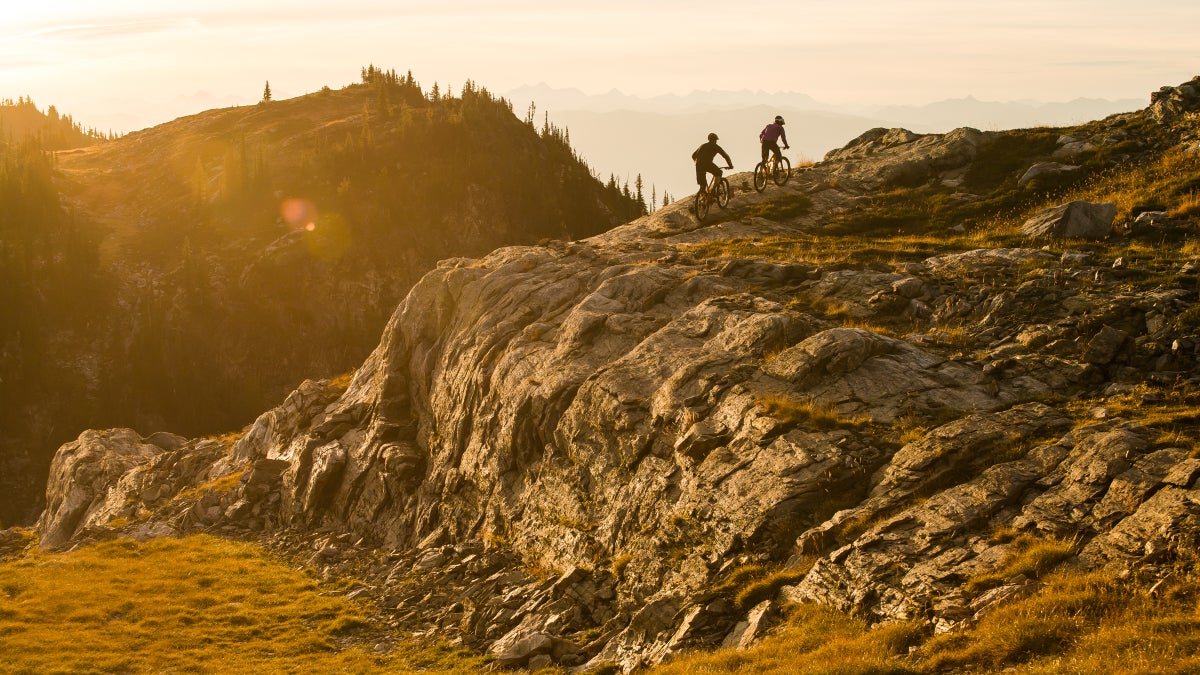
{"x": 22, "y": 119}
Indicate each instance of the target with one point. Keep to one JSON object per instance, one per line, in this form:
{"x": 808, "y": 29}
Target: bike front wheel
{"x": 702, "y": 203}
{"x": 783, "y": 171}
{"x": 760, "y": 177}
{"x": 722, "y": 190}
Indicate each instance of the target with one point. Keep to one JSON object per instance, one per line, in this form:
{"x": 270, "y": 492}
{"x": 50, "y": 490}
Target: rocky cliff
{"x": 574, "y": 453}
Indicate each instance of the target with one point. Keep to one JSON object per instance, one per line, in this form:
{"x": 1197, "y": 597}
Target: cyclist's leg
{"x": 701, "y": 175}
{"x": 766, "y": 149}
{"x": 775, "y": 150}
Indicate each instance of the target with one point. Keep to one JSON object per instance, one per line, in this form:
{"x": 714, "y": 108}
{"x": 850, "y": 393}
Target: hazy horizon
{"x": 134, "y": 61}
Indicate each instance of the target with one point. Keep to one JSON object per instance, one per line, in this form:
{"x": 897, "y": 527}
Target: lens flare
{"x": 299, "y": 214}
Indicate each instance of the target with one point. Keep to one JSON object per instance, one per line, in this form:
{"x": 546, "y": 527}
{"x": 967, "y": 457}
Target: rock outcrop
{"x": 1074, "y": 220}
{"x": 1170, "y": 103}
{"x": 556, "y": 453}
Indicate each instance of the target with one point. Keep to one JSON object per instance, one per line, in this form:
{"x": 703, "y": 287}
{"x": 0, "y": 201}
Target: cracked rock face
{"x": 565, "y": 447}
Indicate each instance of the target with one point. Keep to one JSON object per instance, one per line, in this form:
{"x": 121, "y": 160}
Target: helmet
{"x": 779, "y": 119}
{"x": 712, "y": 137}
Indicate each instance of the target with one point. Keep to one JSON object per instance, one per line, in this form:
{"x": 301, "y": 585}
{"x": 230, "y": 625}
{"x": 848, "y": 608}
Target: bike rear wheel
{"x": 783, "y": 171}
{"x": 722, "y": 190}
{"x": 702, "y": 203}
{"x": 760, "y": 177}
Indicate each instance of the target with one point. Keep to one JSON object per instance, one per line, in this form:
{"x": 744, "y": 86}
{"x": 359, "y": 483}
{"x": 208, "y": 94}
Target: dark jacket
{"x": 705, "y": 153}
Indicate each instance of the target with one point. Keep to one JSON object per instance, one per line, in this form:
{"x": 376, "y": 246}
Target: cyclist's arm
{"x": 728, "y": 162}
{"x": 783, "y": 137}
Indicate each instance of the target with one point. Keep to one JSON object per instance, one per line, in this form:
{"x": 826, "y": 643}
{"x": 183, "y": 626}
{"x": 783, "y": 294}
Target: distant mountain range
{"x": 627, "y": 135}
{"x": 995, "y": 115}
{"x": 547, "y": 97}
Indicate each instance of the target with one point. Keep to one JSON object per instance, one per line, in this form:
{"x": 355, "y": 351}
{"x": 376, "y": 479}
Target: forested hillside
{"x": 21, "y": 120}
{"x": 50, "y": 289}
{"x": 232, "y": 253}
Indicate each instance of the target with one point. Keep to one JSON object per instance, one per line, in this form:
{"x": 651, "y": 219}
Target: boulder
{"x": 1072, "y": 149}
{"x": 1074, "y": 220}
{"x": 85, "y": 471}
{"x": 1105, "y": 345}
{"x": 1168, "y": 104}
{"x": 1045, "y": 169}
{"x": 1149, "y": 220}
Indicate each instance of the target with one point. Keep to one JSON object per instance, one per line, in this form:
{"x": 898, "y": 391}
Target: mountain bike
{"x": 779, "y": 171}
{"x": 717, "y": 190}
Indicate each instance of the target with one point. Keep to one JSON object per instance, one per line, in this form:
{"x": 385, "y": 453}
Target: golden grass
{"x": 228, "y": 438}
{"x": 1174, "y": 412}
{"x": 340, "y": 383}
{"x": 826, "y": 250}
{"x": 809, "y": 413}
{"x": 222, "y": 484}
{"x": 1131, "y": 186}
{"x": 1187, "y": 207}
{"x": 194, "y": 605}
{"x": 1079, "y": 622}
{"x": 816, "y": 640}
{"x": 752, "y": 583}
{"x": 1031, "y": 557}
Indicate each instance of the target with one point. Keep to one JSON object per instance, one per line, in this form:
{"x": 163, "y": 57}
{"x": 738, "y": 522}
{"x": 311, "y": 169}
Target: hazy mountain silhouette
{"x": 990, "y": 115}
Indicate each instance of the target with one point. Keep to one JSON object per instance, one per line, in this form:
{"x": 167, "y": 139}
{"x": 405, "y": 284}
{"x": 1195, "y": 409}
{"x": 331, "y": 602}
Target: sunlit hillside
{"x": 235, "y": 252}
{"x": 1051, "y": 532}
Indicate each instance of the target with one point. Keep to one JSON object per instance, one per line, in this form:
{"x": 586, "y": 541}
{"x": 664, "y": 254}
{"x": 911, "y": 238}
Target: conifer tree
{"x": 267, "y": 92}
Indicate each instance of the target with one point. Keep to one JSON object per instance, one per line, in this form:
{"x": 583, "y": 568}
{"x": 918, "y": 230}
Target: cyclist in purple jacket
{"x": 770, "y": 136}
{"x": 704, "y": 156}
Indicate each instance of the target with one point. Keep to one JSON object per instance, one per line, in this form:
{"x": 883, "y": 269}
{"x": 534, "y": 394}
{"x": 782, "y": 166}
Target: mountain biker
{"x": 704, "y": 155}
{"x": 770, "y": 136}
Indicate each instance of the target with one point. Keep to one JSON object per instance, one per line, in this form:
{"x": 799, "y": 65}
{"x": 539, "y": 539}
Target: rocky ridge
{"x": 559, "y": 452}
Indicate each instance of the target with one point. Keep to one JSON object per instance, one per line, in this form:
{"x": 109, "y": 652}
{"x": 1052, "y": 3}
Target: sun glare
{"x": 299, "y": 214}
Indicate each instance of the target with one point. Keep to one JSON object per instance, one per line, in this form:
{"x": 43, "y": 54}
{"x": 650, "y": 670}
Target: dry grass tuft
{"x": 809, "y": 413}
{"x": 340, "y": 383}
{"x": 1030, "y": 557}
{"x": 1188, "y": 207}
{"x": 768, "y": 586}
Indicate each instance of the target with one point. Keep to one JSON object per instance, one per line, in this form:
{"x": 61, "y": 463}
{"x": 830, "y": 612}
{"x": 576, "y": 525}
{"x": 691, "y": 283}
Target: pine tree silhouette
{"x": 267, "y": 92}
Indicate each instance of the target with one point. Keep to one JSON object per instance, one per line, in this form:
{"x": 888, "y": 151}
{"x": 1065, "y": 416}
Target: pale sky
{"x": 95, "y": 59}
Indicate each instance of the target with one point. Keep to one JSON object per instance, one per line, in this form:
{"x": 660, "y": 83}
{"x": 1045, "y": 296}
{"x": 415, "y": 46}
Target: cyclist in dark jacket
{"x": 770, "y": 136}
{"x": 704, "y": 156}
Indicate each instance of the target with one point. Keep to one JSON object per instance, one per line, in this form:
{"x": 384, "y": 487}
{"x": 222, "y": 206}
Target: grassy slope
{"x": 194, "y": 605}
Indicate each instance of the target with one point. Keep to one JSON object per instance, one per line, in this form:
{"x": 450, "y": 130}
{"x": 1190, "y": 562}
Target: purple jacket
{"x": 773, "y": 132}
